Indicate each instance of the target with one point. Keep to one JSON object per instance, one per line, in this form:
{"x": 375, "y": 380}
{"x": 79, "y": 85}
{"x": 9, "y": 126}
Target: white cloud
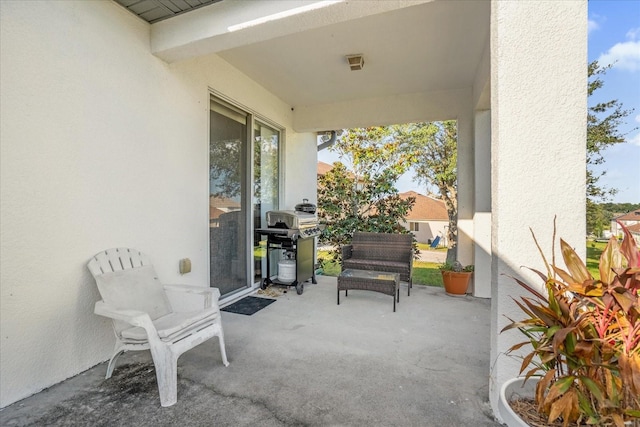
{"x": 592, "y": 25}
{"x": 637, "y": 118}
{"x": 625, "y": 55}
{"x": 634, "y": 140}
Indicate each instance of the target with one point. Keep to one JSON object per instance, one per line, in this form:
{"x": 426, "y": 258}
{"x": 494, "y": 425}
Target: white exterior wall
{"x": 538, "y": 131}
{"x": 390, "y": 110}
{"x": 482, "y": 202}
{"x": 466, "y": 186}
{"x": 102, "y": 145}
{"x": 302, "y": 148}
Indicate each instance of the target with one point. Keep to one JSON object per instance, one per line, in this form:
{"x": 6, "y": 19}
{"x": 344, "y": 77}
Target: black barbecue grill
{"x": 292, "y": 233}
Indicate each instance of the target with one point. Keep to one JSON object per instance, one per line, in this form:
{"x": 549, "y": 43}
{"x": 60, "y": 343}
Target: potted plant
{"x": 584, "y": 338}
{"x": 456, "y": 278}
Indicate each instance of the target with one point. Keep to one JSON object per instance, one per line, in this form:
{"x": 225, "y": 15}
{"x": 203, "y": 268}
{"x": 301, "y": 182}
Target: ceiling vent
{"x": 356, "y": 62}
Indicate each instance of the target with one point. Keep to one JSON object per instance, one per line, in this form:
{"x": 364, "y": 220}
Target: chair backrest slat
{"x": 116, "y": 259}
{"x": 126, "y": 279}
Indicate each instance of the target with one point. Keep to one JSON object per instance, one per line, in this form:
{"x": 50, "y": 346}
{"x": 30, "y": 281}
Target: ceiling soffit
{"x": 158, "y": 10}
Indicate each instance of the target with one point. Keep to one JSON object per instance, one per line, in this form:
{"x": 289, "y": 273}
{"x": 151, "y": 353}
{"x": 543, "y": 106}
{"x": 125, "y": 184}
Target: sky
{"x": 614, "y": 38}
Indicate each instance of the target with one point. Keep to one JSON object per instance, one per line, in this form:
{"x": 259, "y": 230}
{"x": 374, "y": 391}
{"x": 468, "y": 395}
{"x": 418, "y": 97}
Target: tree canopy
{"x": 359, "y": 193}
{"x": 603, "y": 122}
{"x": 433, "y": 148}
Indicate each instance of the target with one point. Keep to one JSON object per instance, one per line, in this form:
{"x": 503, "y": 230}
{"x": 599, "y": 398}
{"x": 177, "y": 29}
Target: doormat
{"x": 248, "y": 305}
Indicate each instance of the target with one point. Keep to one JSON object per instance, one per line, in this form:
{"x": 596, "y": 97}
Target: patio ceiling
{"x": 434, "y": 46}
{"x": 409, "y": 46}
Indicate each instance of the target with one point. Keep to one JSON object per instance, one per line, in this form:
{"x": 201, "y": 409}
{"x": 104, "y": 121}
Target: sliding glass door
{"x": 265, "y": 188}
{"x": 243, "y": 186}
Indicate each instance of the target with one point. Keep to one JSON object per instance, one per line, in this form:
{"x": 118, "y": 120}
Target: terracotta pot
{"x": 510, "y": 389}
{"x": 456, "y": 283}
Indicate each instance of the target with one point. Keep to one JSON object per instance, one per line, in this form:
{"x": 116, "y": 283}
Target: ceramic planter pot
{"x": 509, "y": 390}
{"x": 456, "y": 283}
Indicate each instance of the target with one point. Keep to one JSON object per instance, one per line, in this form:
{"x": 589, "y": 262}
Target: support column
{"x": 466, "y": 188}
{"x": 482, "y": 213}
{"x": 538, "y": 149}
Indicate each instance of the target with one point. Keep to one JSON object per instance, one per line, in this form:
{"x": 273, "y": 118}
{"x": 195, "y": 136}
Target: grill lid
{"x": 305, "y": 206}
{"x": 291, "y": 219}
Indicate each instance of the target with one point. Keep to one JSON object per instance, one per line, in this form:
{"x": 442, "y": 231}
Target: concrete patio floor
{"x": 302, "y": 360}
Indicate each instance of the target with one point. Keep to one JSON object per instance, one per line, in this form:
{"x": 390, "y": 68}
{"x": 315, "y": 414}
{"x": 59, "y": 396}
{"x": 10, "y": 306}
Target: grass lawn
{"x": 427, "y": 273}
{"x": 426, "y": 247}
{"x": 594, "y": 250}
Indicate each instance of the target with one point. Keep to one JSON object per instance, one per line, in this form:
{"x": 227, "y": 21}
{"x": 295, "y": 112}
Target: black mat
{"x": 248, "y": 305}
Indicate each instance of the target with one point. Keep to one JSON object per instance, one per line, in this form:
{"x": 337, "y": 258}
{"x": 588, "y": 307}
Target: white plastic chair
{"x": 168, "y": 320}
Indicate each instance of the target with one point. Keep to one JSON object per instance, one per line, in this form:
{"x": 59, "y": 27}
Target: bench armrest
{"x": 346, "y": 251}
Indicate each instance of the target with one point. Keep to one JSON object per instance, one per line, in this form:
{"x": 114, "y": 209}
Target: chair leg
{"x": 166, "y": 364}
{"x": 223, "y": 352}
{"x": 112, "y": 362}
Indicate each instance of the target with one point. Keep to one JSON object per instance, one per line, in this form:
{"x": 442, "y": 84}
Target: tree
{"x": 435, "y": 153}
{"x": 597, "y": 219}
{"x": 224, "y": 168}
{"x": 360, "y": 194}
{"x": 603, "y": 120}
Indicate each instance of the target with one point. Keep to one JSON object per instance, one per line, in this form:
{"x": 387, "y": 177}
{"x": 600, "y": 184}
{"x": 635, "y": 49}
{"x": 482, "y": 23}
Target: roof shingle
{"x": 426, "y": 208}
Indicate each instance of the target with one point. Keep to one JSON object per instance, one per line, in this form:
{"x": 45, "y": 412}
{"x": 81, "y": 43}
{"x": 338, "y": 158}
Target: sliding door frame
{"x": 247, "y": 198}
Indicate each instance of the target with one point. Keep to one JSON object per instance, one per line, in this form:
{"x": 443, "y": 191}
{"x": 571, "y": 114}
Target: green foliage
{"x": 598, "y": 219}
{"x": 594, "y": 251}
{"x": 600, "y": 215}
{"x": 620, "y": 207}
{"x": 456, "y": 267}
{"x": 584, "y": 336}
{"x": 603, "y": 120}
{"x": 363, "y": 196}
{"x": 224, "y": 167}
{"x": 434, "y": 148}
{"x": 330, "y": 267}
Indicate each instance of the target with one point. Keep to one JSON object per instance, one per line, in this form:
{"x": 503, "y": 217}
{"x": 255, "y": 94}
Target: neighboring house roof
{"x": 634, "y": 229}
{"x": 426, "y": 208}
{"x": 631, "y": 216}
{"x": 324, "y": 168}
{"x": 221, "y": 205}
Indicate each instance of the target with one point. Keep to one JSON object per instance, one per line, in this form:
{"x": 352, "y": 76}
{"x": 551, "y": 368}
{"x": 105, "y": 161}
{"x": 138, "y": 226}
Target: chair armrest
{"x": 132, "y": 317}
{"x": 182, "y": 302}
{"x": 193, "y": 289}
{"x": 346, "y": 251}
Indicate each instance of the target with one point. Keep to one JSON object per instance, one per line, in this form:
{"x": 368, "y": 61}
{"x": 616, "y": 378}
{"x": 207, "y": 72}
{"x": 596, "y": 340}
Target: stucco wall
{"x": 102, "y": 145}
{"x": 538, "y": 132}
{"x": 404, "y": 108}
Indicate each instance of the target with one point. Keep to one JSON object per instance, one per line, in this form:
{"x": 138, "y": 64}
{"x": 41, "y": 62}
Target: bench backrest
{"x": 382, "y": 246}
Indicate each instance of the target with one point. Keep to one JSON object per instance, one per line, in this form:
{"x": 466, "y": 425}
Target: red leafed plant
{"x": 585, "y": 337}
